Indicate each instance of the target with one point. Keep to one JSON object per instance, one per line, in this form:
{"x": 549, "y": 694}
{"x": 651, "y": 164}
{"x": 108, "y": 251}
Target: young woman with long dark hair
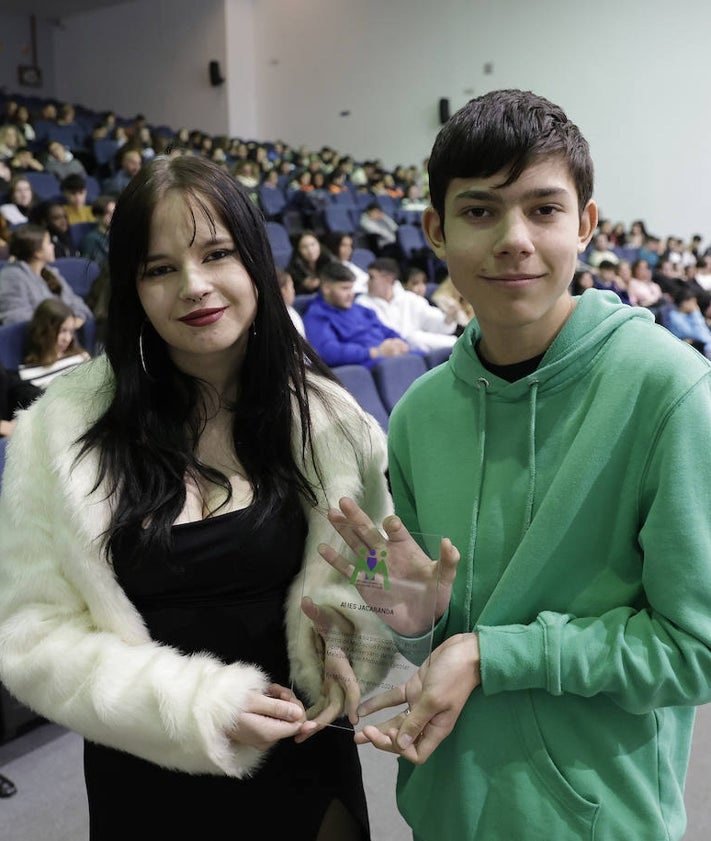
{"x": 161, "y": 507}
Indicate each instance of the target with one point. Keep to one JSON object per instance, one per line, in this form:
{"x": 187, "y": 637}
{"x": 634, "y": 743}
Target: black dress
{"x": 223, "y": 590}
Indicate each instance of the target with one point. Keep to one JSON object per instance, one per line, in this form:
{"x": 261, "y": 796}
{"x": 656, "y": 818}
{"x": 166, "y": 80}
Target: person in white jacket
{"x": 422, "y": 325}
{"x": 161, "y": 510}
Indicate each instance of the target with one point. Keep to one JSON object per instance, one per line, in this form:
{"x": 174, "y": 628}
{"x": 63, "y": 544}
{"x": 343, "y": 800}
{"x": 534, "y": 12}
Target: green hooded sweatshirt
{"x": 579, "y": 499}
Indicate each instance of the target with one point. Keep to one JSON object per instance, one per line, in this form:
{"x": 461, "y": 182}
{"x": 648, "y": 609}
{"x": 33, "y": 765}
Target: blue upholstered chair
{"x": 393, "y": 375}
{"x": 359, "y": 381}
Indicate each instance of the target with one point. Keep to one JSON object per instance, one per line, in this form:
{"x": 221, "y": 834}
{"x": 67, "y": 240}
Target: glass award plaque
{"x": 378, "y": 630}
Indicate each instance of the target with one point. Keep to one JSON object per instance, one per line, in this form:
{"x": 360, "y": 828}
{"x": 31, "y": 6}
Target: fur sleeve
{"x": 72, "y": 646}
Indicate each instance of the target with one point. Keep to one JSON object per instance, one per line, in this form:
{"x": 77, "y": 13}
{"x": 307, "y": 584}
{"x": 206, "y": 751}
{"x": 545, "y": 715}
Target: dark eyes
{"x": 220, "y": 254}
{"x": 210, "y": 257}
{"x": 157, "y": 271}
{"x": 486, "y": 212}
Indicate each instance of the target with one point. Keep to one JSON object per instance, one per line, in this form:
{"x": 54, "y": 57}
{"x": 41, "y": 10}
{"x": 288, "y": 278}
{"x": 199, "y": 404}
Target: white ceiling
{"x": 54, "y": 9}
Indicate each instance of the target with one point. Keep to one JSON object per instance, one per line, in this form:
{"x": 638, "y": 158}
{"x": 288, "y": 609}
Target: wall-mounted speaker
{"x": 443, "y": 110}
{"x": 216, "y": 77}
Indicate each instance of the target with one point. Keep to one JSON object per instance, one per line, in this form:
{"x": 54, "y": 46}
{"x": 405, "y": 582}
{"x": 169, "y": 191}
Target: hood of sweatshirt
{"x": 596, "y": 316}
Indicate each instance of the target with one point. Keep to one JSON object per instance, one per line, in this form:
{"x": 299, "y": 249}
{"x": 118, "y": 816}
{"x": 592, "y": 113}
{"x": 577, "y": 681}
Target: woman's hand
{"x": 267, "y": 718}
{"x": 435, "y": 696}
{"x": 414, "y": 588}
{"x": 340, "y": 692}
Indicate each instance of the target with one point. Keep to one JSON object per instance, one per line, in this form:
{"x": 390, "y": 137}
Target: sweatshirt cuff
{"x": 515, "y": 657}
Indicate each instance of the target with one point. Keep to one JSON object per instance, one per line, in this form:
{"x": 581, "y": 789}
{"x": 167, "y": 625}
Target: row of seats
{"x": 378, "y": 389}
{"x": 46, "y": 186}
{"x": 341, "y": 210}
{"x": 410, "y": 240}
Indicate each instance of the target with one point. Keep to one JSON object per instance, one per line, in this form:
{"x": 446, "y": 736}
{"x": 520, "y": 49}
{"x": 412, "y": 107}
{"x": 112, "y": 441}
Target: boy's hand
{"x": 410, "y": 570}
{"x": 436, "y": 694}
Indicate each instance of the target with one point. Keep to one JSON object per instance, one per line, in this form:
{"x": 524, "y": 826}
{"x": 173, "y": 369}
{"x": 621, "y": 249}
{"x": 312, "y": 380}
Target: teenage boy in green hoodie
{"x": 561, "y": 449}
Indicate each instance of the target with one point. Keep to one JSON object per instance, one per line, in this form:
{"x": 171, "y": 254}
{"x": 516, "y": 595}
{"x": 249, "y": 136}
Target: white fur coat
{"x": 72, "y": 645}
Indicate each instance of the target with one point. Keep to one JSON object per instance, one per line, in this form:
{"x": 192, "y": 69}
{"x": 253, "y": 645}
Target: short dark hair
{"x": 606, "y": 264}
{"x": 385, "y": 264}
{"x": 506, "y": 129}
{"x": 681, "y": 294}
{"x": 334, "y": 271}
{"x": 73, "y": 183}
{"x": 101, "y": 203}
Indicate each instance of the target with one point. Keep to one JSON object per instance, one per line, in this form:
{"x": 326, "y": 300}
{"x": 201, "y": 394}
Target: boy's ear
{"x": 588, "y": 225}
{"x": 434, "y": 231}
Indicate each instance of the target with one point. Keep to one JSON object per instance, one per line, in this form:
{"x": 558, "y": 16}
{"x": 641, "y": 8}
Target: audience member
{"x": 416, "y": 281}
{"x": 52, "y": 347}
{"x": 381, "y": 230}
{"x": 129, "y": 161}
{"x": 66, "y": 117}
{"x": 413, "y": 199}
{"x": 10, "y": 142}
{"x": 651, "y": 250}
{"x": 246, "y": 172}
{"x": 583, "y": 279}
{"x": 453, "y": 304}
{"x": 28, "y": 279}
{"x": 52, "y": 215}
{"x": 637, "y": 234}
{"x": 288, "y": 293}
{"x": 343, "y": 332}
{"x": 340, "y": 245}
{"x": 21, "y": 201}
{"x": 74, "y": 190}
{"x": 95, "y": 243}
{"x": 15, "y": 153}
{"x": 423, "y": 326}
{"x": 61, "y": 162}
{"x": 22, "y": 120}
{"x": 624, "y": 275}
{"x": 686, "y": 321}
{"x": 607, "y": 279}
{"x": 642, "y": 290}
{"x": 307, "y": 260}
{"x": 600, "y": 250}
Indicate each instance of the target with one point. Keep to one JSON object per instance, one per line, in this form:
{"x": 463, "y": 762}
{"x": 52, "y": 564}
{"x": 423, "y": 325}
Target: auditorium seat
{"x": 280, "y": 243}
{"x": 79, "y": 272}
{"x": 359, "y": 382}
{"x": 393, "y": 375}
{"x": 12, "y": 343}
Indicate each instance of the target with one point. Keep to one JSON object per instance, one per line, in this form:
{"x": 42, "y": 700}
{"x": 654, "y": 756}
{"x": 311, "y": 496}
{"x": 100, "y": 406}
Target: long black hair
{"x": 147, "y": 437}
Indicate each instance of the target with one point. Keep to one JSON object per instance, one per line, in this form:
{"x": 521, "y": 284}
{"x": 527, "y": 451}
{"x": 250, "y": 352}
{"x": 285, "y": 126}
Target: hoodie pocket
{"x": 580, "y": 808}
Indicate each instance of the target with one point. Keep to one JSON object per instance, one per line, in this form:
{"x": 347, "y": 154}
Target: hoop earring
{"x": 140, "y": 350}
{"x": 253, "y": 329}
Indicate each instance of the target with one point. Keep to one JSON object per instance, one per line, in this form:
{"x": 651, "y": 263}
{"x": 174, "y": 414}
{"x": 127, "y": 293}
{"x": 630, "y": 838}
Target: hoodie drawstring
{"x": 531, "y": 457}
{"x": 482, "y": 385}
